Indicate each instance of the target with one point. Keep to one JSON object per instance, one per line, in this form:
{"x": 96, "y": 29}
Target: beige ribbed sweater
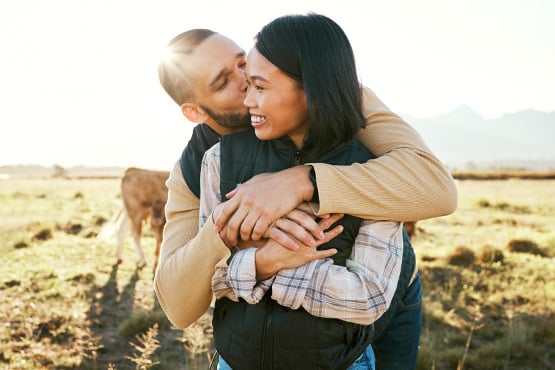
{"x": 405, "y": 183}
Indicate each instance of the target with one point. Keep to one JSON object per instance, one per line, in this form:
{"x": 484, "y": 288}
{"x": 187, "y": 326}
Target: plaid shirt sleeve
{"x": 359, "y": 293}
{"x": 209, "y": 183}
{"x": 238, "y": 280}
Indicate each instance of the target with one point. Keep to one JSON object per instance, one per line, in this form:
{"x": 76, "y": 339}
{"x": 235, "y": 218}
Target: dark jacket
{"x": 267, "y": 335}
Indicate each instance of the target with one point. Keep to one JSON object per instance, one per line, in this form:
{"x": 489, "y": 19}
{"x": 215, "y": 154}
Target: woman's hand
{"x": 273, "y": 257}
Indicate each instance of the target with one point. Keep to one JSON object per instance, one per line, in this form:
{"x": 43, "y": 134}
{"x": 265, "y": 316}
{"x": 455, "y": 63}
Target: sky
{"x": 78, "y": 81}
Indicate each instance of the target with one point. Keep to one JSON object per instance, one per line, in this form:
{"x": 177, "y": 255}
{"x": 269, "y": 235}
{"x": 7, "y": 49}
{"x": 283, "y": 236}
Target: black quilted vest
{"x": 267, "y": 335}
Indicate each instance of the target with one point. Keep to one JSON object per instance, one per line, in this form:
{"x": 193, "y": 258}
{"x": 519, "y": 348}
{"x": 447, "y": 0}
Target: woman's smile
{"x": 257, "y": 120}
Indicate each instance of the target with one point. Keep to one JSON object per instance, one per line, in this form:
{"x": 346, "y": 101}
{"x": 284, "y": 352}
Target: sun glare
{"x": 164, "y": 53}
{"x": 157, "y": 51}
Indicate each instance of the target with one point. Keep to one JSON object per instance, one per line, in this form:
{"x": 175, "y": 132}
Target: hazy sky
{"x": 78, "y": 82}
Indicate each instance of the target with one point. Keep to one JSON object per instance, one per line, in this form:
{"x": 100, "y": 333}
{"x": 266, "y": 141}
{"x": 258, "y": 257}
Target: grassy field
{"x": 488, "y": 275}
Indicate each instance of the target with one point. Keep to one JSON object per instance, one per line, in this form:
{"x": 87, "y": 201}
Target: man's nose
{"x": 242, "y": 78}
{"x": 248, "y": 102}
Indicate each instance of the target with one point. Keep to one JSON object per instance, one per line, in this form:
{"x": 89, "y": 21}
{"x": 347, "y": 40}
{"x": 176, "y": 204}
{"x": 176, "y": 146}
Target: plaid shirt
{"x": 359, "y": 292}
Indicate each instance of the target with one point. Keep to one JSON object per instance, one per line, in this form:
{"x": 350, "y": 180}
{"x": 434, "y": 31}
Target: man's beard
{"x": 233, "y": 121}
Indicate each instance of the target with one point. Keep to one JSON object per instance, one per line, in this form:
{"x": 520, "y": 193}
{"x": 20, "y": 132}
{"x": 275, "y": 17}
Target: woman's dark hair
{"x": 314, "y": 51}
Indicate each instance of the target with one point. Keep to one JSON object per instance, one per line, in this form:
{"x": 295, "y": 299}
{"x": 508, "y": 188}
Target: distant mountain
{"x": 525, "y": 138}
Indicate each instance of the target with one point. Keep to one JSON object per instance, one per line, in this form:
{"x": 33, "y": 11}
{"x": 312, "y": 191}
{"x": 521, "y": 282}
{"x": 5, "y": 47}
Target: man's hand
{"x": 272, "y": 257}
{"x": 296, "y": 228}
{"x": 256, "y": 204}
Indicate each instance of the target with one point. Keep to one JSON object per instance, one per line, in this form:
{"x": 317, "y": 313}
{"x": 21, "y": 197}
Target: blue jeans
{"x": 397, "y": 347}
{"x": 222, "y": 365}
{"x": 366, "y": 361}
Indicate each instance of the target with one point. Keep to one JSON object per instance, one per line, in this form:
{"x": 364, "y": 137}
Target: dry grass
{"x": 494, "y": 308}
{"x": 504, "y": 175}
{"x": 62, "y": 302}
{"x": 488, "y": 276}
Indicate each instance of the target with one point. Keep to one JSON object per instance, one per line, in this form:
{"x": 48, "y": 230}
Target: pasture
{"x": 488, "y": 275}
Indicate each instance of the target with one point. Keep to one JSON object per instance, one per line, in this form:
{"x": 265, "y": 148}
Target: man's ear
{"x": 194, "y": 113}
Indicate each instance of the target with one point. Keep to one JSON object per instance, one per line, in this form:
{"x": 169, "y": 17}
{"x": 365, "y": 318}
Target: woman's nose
{"x": 248, "y": 102}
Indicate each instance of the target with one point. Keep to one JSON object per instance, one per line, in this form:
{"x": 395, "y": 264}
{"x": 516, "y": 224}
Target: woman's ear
{"x": 194, "y": 113}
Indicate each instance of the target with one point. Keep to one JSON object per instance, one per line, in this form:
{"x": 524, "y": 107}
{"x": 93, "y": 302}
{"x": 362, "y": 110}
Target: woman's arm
{"x": 359, "y": 292}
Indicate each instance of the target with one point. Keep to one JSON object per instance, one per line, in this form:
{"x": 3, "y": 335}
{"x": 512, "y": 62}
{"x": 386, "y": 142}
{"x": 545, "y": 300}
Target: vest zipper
{"x": 267, "y": 334}
{"x": 298, "y": 157}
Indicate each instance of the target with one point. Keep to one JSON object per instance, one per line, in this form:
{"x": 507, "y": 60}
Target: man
{"x": 206, "y": 79}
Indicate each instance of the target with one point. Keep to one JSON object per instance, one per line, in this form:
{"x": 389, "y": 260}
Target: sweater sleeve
{"x": 406, "y": 182}
{"x": 187, "y": 262}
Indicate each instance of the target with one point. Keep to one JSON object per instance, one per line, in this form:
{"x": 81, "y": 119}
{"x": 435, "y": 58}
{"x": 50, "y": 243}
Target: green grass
{"x": 488, "y": 274}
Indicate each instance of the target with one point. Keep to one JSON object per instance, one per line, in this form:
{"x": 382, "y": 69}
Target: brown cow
{"x": 410, "y": 227}
{"x": 144, "y": 195}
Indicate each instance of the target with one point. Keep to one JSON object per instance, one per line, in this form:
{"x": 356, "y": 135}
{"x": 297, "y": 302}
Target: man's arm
{"x": 406, "y": 182}
{"x": 187, "y": 262}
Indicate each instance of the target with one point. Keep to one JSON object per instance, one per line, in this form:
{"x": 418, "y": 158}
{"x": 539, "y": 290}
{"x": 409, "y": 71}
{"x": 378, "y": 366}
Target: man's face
{"x": 218, "y": 77}
{"x": 229, "y": 121}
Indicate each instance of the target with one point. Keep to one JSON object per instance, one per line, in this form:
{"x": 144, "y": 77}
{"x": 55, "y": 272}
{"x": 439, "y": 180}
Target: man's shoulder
{"x": 202, "y": 138}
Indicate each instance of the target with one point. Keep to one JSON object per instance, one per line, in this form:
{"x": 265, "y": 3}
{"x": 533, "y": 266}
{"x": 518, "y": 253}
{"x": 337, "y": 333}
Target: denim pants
{"x": 366, "y": 361}
{"x": 397, "y": 347}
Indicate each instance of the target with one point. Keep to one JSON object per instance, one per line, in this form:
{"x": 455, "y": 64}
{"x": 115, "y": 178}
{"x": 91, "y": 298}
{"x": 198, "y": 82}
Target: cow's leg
{"x": 136, "y": 232}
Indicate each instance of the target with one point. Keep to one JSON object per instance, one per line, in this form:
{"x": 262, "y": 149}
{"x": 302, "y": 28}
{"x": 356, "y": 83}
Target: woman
{"x": 304, "y": 113}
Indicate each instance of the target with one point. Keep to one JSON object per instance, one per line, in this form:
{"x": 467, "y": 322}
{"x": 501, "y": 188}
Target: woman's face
{"x": 276, "y": 104}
